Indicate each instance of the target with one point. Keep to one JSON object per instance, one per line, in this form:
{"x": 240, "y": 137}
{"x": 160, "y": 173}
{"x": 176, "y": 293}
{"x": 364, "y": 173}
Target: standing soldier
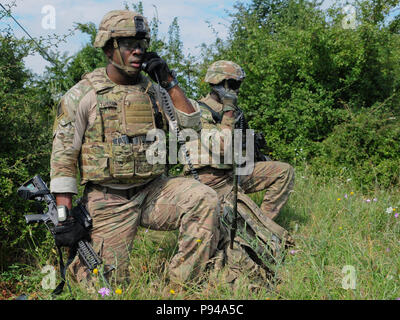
{"x": 101, "y": 127}
{"x": 218, "y": 110}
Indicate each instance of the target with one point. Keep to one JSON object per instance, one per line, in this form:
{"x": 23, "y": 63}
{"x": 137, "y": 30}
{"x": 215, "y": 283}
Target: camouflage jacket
{"x": 77, "y": 112}
{"x": 217, "y": 133}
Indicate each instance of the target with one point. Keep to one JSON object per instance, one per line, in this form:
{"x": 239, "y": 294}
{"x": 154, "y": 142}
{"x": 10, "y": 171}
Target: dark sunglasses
{"x": 133, "y": 43}
{"x": 233, "y": 84}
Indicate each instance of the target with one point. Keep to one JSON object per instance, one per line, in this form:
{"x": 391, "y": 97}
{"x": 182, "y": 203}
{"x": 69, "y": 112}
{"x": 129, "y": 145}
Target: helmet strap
{"x": 126, "y": 69}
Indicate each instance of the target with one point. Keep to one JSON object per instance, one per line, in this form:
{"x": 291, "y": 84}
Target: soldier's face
{"x": 133, "y": 57}
{"x": 132, "y": 51}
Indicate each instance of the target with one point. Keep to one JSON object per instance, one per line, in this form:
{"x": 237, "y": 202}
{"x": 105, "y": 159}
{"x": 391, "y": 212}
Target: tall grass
{"x": 333, "y": 225}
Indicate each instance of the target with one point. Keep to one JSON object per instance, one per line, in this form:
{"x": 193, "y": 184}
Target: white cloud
{"x": 192, "y": 16}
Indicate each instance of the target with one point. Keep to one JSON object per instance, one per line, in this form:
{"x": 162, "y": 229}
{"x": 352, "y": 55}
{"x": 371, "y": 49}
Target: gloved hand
{"x": 156, "y": 68}
{"x": 69, "y": 232}
{"x": 228, "y": 97}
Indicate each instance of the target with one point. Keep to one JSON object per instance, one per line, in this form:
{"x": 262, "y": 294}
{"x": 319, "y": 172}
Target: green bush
{"x": 304, "y": 71}
{"x": 25, "y": 144}
{"x": 365, "y": 149}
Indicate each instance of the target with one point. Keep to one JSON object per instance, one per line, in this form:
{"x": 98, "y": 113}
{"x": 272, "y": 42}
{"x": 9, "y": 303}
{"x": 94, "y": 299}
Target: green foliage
{"x": 305, "y": 71}
{"x": 89, "y": 57}
{"x": 25, "y": 144}
{"x": 364, "y": 149}
{"x": 325, "y": 97}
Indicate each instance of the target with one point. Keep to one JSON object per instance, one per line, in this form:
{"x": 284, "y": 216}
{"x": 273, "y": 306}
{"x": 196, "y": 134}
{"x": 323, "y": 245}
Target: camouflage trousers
{"x": 163, "y": 204}
{"x": 277, "y": 178}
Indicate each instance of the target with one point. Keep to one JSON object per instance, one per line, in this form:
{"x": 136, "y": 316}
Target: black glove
{"x": 156, "y": 68}
{"x": 68, "y": 233}
{"x": 228, "y": 97}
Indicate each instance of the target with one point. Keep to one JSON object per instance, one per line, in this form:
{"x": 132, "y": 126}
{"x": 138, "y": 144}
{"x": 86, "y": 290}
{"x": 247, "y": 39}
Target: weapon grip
{"x": 32, "y": 218}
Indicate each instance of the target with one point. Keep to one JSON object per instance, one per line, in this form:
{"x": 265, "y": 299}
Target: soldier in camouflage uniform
{"x": 101, "y": 128}
{"x": 217, "y": 112}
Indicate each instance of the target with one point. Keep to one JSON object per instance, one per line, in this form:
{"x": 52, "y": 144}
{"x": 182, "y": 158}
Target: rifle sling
{"x": 63, "y": 269}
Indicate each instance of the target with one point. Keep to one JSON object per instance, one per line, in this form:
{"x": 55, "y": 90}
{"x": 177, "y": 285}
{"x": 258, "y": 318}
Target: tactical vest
{"x": 121, "y": 111}
{"x": 208, "y": 115}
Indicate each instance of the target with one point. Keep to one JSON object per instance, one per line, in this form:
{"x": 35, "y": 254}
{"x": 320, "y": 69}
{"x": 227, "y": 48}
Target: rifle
{"x": 259, "y": 143}
{"x": 36, "y": 189}
{"x": 259, "y": 139}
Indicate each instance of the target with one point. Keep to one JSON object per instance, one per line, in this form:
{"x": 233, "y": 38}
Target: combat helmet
{"x": 121, "y": 23}
{"x": 224, "y": 70}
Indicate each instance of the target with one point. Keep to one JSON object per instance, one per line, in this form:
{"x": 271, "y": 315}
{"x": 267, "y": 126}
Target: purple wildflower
{"x": 375, "y": 199}
{"x": 346, "y": 196}
{"x": 396, "y": 215}
{"x": 368, "y": 200}
{"x": 104, "y": 292}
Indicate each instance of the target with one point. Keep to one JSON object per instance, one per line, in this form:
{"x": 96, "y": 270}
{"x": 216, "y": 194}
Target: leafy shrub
{"x": 365, "y": 149}
{"x": 304, "y": 71}
{"x": 25, "y": 144}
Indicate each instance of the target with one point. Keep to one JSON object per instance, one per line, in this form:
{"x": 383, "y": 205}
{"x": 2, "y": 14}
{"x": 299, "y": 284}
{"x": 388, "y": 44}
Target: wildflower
{"x": 346, "y": 196}
{"x": 95, "y": 271}
{"x": 292, "y": 252}
{"x": 198, "y": 240}
{"x": 368, "y": 200}
{"x": 389, "y": 210}
{"x": 160, "y": 249}
{"x": 118, "y": 291}
{"x": 396, "y": 215}
{"x": 375, "y": 200}
{"x": 338, "y": 199}
{"x": 104, "y": 292}
{"x": 387, "y": 249}
{"x": 340, "y": 228}
{"x": 172, "y": 291}
{"x": 352, "y": 193}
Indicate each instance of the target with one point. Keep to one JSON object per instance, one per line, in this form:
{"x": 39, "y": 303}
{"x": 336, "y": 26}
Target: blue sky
{"x": 192, "y": 16}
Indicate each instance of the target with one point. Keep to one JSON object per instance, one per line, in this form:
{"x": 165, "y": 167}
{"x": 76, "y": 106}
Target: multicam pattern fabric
{"x": 120, "y": 110}
{"x": 64, "y": 156}
{"x": 257, "y": 232}
{"x": 208, "y": 123}
{"x": 276, "y": 178}
{"x": 221, "y": 70}
{"x": 256, "y": 236}
{"x": 119, "y": 23}
{"x": 164, "y": 204}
